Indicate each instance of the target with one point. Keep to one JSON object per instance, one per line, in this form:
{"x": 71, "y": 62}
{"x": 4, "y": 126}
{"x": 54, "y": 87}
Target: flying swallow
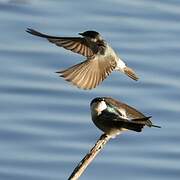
{"x": 100, "y": 61}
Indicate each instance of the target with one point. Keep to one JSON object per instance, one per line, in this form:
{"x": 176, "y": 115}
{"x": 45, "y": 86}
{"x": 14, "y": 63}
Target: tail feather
{"x": 146, "y": 121}
{"x": 129, "y": 72}
{"x": 138, "y": 124}
{"x": 155, "y": 126}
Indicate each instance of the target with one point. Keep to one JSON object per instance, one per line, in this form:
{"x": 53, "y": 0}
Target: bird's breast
{"x": 108, "y": 55}
{"x": 110, "y": 52}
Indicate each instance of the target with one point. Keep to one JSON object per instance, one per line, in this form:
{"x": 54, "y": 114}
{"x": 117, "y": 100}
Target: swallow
{"x": 100, "y": 61}
{"x": 113, "y": 117}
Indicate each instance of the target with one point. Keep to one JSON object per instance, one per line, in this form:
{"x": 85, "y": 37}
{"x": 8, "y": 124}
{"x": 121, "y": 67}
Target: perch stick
{"x": 89, "y": 157}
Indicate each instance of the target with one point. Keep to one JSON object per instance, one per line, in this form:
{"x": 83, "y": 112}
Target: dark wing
{"x": 76, "y": 44}
{"x": 116, "y": 121}
{"x": 131, "y": 113}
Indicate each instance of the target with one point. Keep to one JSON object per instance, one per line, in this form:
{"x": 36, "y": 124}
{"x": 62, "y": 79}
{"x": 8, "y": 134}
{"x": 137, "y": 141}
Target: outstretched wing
{"x": 90, "y": 73}
{"x": 76, "y": 44}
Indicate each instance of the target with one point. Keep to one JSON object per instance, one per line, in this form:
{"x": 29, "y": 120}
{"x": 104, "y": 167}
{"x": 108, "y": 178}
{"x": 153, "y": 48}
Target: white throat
{"x": 101, "y": 106}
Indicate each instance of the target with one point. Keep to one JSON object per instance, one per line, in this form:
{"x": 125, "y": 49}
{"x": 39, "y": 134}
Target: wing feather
{"x": 90, "y": 73}
{"x": 76, "y": 44}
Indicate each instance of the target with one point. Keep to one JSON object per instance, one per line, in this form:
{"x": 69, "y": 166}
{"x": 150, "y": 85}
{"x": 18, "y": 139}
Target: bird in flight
{"x": 112, "y": 116}
{"x": 100, "y": 61}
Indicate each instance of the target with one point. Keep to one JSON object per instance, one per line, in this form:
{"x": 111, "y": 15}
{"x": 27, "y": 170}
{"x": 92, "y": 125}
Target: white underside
{"x": 120, "y": 65}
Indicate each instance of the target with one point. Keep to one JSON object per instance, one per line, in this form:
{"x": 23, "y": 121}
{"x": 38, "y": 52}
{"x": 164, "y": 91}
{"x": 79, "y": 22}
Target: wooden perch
{"x": 89, "y": 157}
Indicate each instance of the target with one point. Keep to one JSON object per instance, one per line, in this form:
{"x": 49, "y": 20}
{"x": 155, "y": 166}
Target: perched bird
{"x": 100, "y": 61}
{"x": 113, "y": 117}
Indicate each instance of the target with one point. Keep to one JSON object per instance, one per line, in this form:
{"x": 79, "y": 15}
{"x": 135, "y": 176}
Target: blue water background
{"x": 45, "y": 122}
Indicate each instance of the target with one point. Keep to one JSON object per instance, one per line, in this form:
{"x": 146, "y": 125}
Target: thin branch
{"x": 89, "y": 157}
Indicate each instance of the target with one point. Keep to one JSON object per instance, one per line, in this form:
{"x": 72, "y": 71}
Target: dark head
{"x": 97, "y": 100}
{"x": 93, "y": 35}
{"x": 97, "y": 106}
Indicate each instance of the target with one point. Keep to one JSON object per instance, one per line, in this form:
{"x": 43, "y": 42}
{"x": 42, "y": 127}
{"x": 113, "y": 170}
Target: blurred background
{"x": 45, "y": 122}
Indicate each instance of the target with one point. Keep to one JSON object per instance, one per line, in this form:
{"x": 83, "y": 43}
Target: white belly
{"x": 120, "y": 65}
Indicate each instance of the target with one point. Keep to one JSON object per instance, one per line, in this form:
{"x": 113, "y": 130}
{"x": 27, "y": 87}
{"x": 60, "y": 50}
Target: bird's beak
{"x": 80, "y": 34}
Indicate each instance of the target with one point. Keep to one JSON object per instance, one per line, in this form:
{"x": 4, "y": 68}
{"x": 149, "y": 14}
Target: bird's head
{"x": 98, "y": 105}
{"x": 92, "y": 35}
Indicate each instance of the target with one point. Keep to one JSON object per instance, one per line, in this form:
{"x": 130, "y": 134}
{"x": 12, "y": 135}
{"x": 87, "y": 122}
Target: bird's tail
{"x": 146, "y": 121}
{"x": 138, "y": 124}
{"x": 130, "y": 72}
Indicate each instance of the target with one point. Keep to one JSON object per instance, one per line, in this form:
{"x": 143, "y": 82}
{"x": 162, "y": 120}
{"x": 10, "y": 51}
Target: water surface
{"x": 45, "y": 123}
